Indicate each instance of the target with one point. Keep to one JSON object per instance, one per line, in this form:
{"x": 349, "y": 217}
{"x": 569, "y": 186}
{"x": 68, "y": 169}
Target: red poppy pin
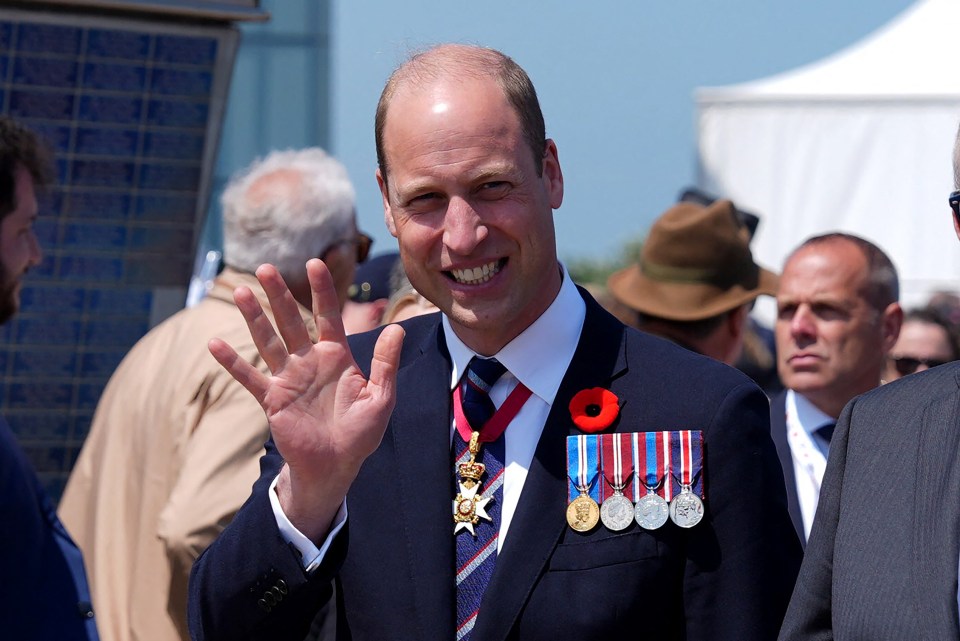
{"x": 594, "y": 409}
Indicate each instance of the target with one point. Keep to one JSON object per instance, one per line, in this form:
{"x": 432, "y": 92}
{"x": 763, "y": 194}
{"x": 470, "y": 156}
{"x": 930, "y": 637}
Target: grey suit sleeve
{"x": 809, "y": 615}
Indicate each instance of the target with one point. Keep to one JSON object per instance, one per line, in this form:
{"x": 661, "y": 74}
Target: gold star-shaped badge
{"x": 468, "y": 509}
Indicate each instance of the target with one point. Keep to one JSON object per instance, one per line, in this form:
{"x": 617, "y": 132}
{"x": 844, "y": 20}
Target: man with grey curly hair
{"x": 175, "y": 440}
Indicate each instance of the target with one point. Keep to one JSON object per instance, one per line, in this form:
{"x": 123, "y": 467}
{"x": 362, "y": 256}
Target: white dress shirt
{"x": 809, "y": 460}
{"x": 538, "y": 357}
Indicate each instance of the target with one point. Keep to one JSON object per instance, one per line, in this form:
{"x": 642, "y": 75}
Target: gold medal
{"x": 583, "y": 513}
{"x": 468, "y": 506}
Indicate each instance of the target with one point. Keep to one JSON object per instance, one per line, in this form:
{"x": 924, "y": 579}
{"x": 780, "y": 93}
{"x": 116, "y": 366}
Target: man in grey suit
{"x": 882, "y": 560}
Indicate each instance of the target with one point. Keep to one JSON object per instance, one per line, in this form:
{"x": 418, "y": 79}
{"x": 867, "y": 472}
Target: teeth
{"x": 476, "y": 275}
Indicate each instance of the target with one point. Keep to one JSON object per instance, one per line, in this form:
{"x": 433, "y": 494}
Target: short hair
{"x": 470, "y": 61}
{"x": 20, "y": 148}
{"x": 285, "y": 209}
{"x": 883, "y": 286}
{"x": 699, "y": 329}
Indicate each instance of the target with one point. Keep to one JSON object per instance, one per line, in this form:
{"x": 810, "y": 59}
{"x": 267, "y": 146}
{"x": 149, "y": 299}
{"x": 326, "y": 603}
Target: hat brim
{"x": 684, "y": 301}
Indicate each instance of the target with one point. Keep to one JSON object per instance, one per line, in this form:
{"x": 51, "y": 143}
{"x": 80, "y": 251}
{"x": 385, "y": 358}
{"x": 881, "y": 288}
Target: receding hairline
{"x": 444, "y": 61}
{"x": 880, "y": 284}
{"x": 453, "y": 62}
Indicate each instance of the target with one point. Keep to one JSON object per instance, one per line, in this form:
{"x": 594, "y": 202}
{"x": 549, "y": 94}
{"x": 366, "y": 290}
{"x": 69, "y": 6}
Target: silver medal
{"x": 652, "y": 511}
{"x": 686, "y": 508}
{"x": 616, "y": 512}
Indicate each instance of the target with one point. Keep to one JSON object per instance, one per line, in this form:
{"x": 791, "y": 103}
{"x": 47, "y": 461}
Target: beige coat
{"x": 171, "y": 456}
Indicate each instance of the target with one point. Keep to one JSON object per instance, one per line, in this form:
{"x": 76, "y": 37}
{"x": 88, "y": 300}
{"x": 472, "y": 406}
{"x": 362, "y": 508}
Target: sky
{"x": 616, "y": 82}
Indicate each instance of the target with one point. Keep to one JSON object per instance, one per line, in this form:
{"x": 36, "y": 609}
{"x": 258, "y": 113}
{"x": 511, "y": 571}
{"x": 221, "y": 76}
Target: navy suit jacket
{"x": 43, "y": 586}
{"x": 778, "y": 431}
{"x": 882, "y": 560}
{"x": 729, "y": 577}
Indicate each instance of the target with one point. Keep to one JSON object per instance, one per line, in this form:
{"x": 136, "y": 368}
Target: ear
{"x": 891, "y": 320}
{"x": 552, "y": 174}
{"x": 385, "y": 195}
{"x": 737, "y": 320}
{"x": 377, "y": 308}
{"x": 732, "y": 331}
{"x": 956, "y": 224}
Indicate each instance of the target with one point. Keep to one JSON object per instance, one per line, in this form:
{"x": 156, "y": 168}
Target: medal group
{"x": 647, "y": 477}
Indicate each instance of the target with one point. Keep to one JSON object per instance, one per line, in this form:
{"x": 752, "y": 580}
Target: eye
{"x": 494, "y": 189}
{"x": 427, "y": 201}
{"x": 786, "y": 312}
{"x": 827, "y": 311}
{"x": 422, "y": 198}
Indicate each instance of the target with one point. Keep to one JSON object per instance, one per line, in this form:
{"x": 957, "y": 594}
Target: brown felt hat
{"x": 695, "y": 263}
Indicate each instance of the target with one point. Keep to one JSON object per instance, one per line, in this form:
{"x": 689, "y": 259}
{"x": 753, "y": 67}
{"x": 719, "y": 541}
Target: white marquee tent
{"x": 860, "y": 141}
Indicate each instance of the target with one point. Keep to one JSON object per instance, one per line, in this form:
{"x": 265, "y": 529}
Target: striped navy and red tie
{"x": 476, "y": 555}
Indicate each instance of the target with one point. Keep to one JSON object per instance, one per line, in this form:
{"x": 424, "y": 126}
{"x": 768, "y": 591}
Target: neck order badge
{"x": 468, "y": 507}
{"x": 477, "y": 554}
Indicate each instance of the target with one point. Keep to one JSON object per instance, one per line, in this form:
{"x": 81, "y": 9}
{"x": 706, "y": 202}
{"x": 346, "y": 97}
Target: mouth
{"x": 477, "y": 275}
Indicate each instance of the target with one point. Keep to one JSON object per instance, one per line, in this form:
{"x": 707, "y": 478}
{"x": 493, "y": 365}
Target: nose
{"x": 36, "y": 255}
{"x": 463, "y": 228}
{"x": 802, "y": 325}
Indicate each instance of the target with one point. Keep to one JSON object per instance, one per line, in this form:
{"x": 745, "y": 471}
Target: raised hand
{"x": 325, "y": 416}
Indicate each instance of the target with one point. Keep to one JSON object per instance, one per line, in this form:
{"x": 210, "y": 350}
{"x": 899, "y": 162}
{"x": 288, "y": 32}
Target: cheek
{"x": 417, "y": 239}
{"x": 781, "y": 333}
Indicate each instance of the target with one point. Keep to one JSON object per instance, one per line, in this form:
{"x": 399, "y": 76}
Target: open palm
{"x": 325, "y": 417}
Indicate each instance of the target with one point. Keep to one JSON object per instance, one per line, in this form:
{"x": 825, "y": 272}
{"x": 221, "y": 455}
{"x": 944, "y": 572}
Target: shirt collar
{"x": 810, "y": 418}
{"x": 540, "y": 355}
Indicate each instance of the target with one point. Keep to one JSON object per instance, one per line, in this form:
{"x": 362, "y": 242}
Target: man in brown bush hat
{"x": 695, "y": 279}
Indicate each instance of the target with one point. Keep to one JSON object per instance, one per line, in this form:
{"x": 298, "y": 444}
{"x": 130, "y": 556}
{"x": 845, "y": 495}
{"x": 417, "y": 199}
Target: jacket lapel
{"x": 539, "y": 521}
{"x": 778, "y": 432}
{"x": 936, "y": 517}
{"x": 425, "y": 479}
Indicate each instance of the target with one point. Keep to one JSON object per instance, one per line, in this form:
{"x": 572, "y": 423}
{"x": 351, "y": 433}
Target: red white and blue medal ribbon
{"x": 686, "y": 508}
{"x": 687, "y": 461}
{"x": 651, "y": 510}
{"x": 583, "y": 465}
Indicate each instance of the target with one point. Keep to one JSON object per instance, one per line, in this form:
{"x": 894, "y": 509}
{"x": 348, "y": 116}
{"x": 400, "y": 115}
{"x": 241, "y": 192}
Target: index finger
{"x": 326, "y": 303}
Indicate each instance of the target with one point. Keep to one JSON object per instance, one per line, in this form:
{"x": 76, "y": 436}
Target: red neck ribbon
{"x": 497, "y": 424}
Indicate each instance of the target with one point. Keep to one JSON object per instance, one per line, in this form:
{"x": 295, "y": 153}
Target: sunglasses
{"x": 955, "y": 204}
{"x": 908, "y": 364}
{"x": 361, "y": 241}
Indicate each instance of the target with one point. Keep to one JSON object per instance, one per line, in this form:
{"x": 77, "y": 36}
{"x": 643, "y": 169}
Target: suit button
{"x": 269, "y": 598}
{"x": 264, "y": 605}
{"x": 86, "y": 609}
{"x": 282, "y": 585}
{"x": 277, "y": 593}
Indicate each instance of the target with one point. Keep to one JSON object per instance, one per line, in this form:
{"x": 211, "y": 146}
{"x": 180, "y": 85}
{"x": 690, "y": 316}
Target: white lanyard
{"x": 809, "y": 464}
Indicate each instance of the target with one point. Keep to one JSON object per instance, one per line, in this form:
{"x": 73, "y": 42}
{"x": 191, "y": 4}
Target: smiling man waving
{"x": 423, "y": 475}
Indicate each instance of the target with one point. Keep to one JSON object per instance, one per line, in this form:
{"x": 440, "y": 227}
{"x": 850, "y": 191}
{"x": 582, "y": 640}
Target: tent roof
{"x": 912, "y": 57}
